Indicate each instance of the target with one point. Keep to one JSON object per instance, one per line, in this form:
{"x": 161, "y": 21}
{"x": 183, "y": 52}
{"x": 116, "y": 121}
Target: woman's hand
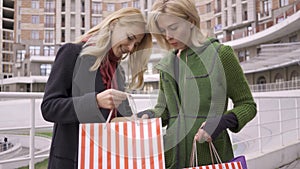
{"x": 202, "y": 135}
{"x": 110, "y": 98}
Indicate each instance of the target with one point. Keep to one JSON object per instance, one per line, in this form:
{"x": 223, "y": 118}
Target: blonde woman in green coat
{"x": 197, "y": 78}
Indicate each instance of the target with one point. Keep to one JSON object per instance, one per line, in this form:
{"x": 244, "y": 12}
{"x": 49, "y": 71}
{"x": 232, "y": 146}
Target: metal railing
{"x": 276, "y": 124}
{"x": 32, "y": 96}
{"x": 279, "y": 86}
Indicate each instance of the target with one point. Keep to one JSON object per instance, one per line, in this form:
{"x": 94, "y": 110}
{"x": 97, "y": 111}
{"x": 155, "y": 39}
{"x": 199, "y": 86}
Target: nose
{"x": 130, "y": 46}
{"x": 168, "y": 35}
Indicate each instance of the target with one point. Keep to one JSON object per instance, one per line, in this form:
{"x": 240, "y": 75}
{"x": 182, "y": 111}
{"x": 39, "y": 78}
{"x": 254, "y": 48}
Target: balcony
{"x": 288, "y": 21}
{"x": 267, "y": 33}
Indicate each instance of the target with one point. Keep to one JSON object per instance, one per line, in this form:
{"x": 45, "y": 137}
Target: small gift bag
{"x": 236, "y": 163}
{"x": 121, "y": 145}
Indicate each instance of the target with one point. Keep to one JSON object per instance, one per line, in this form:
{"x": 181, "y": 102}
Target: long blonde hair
{"x": 99, "y": 43}
{"x": 184, "y": 9}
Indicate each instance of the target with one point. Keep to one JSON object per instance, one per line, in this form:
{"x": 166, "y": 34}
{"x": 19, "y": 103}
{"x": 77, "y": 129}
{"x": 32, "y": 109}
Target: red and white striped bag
{"x": 121, "y": 145}
{"x": 229, "y": 165}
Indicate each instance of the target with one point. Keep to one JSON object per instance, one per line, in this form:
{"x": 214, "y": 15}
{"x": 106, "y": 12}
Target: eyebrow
{"x": 174, "y": 24}
{"x": 131, "y": 35}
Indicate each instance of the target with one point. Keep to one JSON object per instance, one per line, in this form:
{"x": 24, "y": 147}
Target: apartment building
{"x": 33, "y": 32}
{"x": 265, "y": 35}
{"x": 7, "y": 15}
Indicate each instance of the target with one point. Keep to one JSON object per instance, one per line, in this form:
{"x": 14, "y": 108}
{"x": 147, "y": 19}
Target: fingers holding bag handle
{"x": 202, "y": 135}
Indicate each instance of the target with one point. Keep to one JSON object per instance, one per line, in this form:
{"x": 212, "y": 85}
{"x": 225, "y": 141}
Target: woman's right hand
{"x": 110, "y": 98}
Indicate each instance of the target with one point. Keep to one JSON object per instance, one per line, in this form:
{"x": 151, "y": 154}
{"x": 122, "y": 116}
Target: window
{"x": 225, "y": 17}
{"x": 124, "y": 4}
{"x": 261, "y": 83}
{"x": 45, "y": 69}
{"x": 35, "y": 19}
{"x": 35, "y": 4}
{"x": 136, "y": 4}
{"x": 49, "y": 21}
{"x": 7, "y": 68}
{"x": 278, "y": 78}
{"x": 208, "y": 7}
{"x": 266, "y": 7}
{"x": 82, "y": 7}
{"x": 208, "y": 24}
{"x": 110, "y": 7}
{"x": 96, "y": 20}
{"x": 49, "y": 51}
{"x": 234, "y": 15}
{"x": 34, "y": 50}
{"x": 49, "y": 36}
{"x": 219, "y": 6}
{"x": 244, "y": 12}
{"x": 20, "y": 55}
{"x": 284, "y": 3}
{"x": 34, "y": 35}
{"x": 218, "y": 26}
{"x": 295, "y": 76}
{"x": 49, "y": 6}
{"x": 293, "y": 38}
{"x": 96, "y": 7}
{"x": 295, "y": 79}
{"x": 7, "y": 57}
{"x": 241, "y": 55}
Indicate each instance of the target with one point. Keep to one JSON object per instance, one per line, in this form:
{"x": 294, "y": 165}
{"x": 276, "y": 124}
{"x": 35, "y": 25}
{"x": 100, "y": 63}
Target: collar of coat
{"x": 166, "y": 64}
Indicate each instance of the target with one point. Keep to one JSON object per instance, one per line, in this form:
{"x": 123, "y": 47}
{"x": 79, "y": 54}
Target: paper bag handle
{"x": 212, "y": 150}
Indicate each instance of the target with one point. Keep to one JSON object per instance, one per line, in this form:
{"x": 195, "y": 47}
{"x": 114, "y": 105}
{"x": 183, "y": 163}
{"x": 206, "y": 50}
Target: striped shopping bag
{"x": 237, "y": 163}
{"x": 121, "y": 145}
{"x": 230, "y": 165}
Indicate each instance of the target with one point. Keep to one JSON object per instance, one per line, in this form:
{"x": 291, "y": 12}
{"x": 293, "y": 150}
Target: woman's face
{"x": 176, "y": 30}
{"x": 125, "y": 38}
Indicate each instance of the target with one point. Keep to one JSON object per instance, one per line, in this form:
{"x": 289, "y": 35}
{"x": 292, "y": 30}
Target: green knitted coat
{"x": 207, "y": 77}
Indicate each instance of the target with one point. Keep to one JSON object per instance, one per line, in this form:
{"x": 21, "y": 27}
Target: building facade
{"x": 265, "y": 35}
{"x": 7, "y": 19}
{"x": 33, "y": 32}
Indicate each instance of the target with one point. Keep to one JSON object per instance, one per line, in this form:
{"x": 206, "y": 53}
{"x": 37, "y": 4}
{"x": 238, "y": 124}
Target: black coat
{"x": 70, "y": 99}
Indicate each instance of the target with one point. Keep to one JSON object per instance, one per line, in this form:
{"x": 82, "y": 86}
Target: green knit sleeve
{"x": 160, "y": 109}
{"x": 237, "y": 88}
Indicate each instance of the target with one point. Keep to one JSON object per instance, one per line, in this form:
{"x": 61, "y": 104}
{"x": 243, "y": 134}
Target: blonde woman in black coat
{"x": 86, "y": 82}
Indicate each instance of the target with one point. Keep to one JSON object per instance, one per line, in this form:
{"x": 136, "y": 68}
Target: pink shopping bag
{"x": 122, "y": 145}
{"x": 235, "y": 164}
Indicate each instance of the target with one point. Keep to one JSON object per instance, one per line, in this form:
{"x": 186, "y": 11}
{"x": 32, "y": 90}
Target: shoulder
{"x": 68, "y": 51}
{"x": 226, "y": 53}
{"x": 71, "y": 47}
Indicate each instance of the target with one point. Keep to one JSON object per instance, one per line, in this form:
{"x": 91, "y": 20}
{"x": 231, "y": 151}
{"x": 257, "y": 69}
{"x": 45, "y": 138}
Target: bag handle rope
{"x": 212, "y": 150}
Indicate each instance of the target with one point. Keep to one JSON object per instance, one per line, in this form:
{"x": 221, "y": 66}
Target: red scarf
{"x": 107, "y": 71}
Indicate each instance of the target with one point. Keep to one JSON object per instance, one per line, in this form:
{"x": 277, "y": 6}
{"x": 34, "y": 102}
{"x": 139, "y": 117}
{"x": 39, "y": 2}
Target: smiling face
{"x": 126, "y": 37}
{"x": 176, "y": 31}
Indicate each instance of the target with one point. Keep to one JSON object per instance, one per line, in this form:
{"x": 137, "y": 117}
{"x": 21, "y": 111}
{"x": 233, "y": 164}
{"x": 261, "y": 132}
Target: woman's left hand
{"x": 202, "y": 135}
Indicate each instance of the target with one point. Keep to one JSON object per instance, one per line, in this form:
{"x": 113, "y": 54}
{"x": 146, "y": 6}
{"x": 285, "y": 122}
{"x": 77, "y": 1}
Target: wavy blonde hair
{"x": 99, "y": 43}
{"x": 184, "y": 9}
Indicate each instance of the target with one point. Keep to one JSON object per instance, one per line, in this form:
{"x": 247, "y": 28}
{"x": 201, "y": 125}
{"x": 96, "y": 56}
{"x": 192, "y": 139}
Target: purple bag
{"x": 240, "y": 159}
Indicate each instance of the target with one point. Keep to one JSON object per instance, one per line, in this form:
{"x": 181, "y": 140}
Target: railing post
{"x": 280, "y": 122}
{"x": 259, "y": 127}
{"x": 32, "y": 133}
{"x": 297, "y": 118}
